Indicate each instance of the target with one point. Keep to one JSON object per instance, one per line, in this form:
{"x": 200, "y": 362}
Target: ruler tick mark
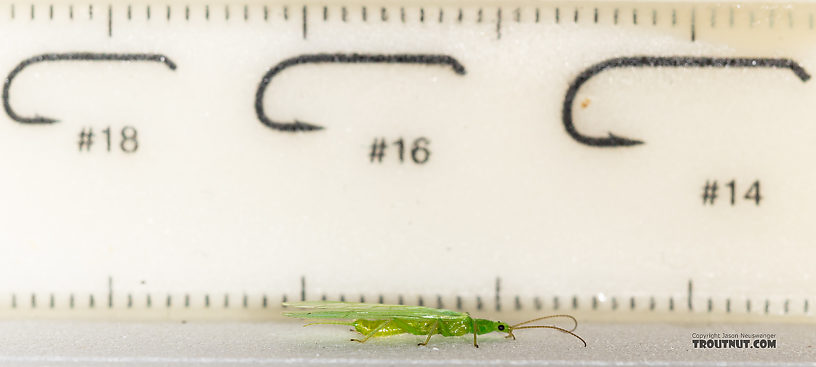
{"x": 422, "y": 15}
{"x": 614, "y": 304}
{"x": 479, "y": 16}
{"x": 710, "y": 305}
{"x": 748, "y": 306}
{"x": 460, "y": 16}
{"x": 226, "y": 12}
{"x": 246, "y": 13}
{"x": 266, "y": 13}
{"x": 654, "y": 17}
{"x": 149, "y": 301}
{"x": 51, "y": 301}
{"x": 245, "y": 301}
{"x": 807, "y": 305}
{"x": 91, "y": 301}
{"x": 479, "y": 304}
{"x": 326, "y": 13}
{"x": 537, "y": 303}
{"x": 439, "y": 302}
{"x": 71, "y": 301}
{"x": 498, "y": 23}
{"x": 169, "y": 301}
{"x": 634, "y": 16}
{"x": 595, "y": 17}
{"x": 557, "y": 15}
{"x": 187, "y": 12}
{"x": 33, "y": 300}
{"x": 767, "y": 306}
{"x": 689, "y": 295}
{"x": 264, "y": 302}
{"x": 441, "y": 15}
{"x": 787, "y": 306}
{"x": 344, "y": 14}
{"x": 51, "y": 11}
{"x": 594, "y": 302}
{"x": 400, "y": 300}
{"x": 226, "y": 301}
{"x": 12, "y": 11}
{"x": 110, "y": 21}
{"x": 147, "y": 12}
{"x": 537, "y": 15}
{"x": 458, "y": 302}
{"x": 575, "y": 16}
{"x": 383, "y": 15}
{"x": 342, "y": 298}
{"x": 285, "y": 13}
{"x": 651, "y": 303}
{"x": 129, "y": 12}
{"x": 517, "y": 303}
{"x": 517, "y": 15}
{"x": 728, "y": 305}
{"x": 574, "y": 302}
{"x": 498, "y": 294}
{"x": 168, "y": 12}
{"x": 380, "y": 299}
{"x": 364, "y": 13}
{"x": 110, "y": 292}
{"x": 207, "y": 12}
{"x": 362, "y": 298}
{"x": 129, "y": 300}
{"x": 90, "y": 12}
{"x": 187, "y": 300}
{"x": 305, "y": 22}
{"x": 674, "y": 17}
{"x": 32, "y": 11}
{"x": 303, "y": 288}
{"x": 615, "y": 16}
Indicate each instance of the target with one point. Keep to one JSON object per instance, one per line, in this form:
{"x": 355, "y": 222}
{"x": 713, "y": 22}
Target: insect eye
{"x": 501, "y": 327}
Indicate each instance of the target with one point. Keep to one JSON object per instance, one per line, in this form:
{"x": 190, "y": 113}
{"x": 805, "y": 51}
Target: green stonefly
{"x": 378, "y": 320}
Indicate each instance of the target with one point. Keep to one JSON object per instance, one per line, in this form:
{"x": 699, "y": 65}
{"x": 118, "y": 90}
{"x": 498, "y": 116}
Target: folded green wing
{"x": 367, "y": 311}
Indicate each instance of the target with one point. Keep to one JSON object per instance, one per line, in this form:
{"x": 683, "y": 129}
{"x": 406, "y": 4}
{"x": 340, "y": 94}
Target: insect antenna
{"x": 574, "y": 321}
{"x": 553, "y": 327}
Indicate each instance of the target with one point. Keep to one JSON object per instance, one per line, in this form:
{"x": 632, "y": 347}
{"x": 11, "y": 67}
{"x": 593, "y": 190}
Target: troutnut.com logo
{"x": 733, "y": 340}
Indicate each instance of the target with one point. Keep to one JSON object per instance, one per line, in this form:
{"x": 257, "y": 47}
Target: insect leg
{"x": 431, "y": 332}
{"x": 372, "y": 332}
{"x": 474, "y": 333}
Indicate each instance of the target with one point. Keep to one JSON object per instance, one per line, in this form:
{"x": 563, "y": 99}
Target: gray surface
{"x": 72, "y": 343}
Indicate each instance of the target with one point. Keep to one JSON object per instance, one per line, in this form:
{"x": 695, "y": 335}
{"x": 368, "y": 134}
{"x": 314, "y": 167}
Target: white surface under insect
{"x": 64, "y": 343}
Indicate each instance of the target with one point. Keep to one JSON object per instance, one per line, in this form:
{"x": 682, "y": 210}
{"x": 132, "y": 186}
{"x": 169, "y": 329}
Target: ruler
{"x": 645, "y": 160}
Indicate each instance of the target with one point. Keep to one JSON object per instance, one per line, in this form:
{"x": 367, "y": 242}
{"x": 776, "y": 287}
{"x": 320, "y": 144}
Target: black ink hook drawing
{"x": 647, "y": 61}
{"x": 77, "y": 56}
{"x": 342, "y": 59}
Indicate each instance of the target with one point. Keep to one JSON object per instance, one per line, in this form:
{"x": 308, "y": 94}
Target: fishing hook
{"x": 425, "y": 59}
{"x": 648, "y": 61}
{"x": 76, "y": 56}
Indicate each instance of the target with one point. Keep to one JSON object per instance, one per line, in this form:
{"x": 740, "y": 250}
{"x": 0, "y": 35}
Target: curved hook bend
{"x": 425, "y": 59}
{"x": 648, "y": 61}
{"x": 76, "y": 56}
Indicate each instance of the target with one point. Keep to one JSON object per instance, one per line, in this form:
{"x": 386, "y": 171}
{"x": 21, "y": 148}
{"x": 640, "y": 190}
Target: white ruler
{"x": 617, "y": 160}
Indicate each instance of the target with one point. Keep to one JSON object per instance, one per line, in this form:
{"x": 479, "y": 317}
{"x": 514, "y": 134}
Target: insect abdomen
{"x": 416, "y": 327}
{"x": 367, "y": 326}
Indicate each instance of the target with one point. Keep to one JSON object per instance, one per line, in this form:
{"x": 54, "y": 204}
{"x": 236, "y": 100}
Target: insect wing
{"x": 352, "y": 311}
